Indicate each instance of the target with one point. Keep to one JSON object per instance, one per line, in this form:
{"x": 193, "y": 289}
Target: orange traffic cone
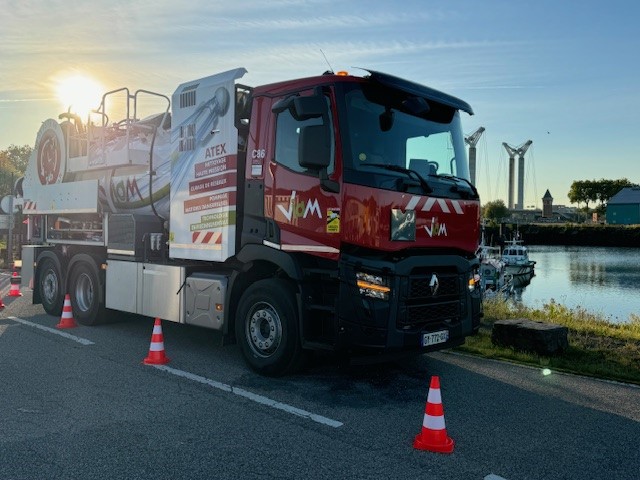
{"x": 66, "y": 320}
{"x": 14, "y": 291}
{"x": 156, "y": 349}
{"x": 433, "y": 436}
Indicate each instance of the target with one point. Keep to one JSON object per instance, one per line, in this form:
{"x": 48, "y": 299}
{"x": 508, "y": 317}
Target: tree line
{"x": 592, "y": 191}
{"x": 581, "y": 192}
{"x": 13, "y": 164}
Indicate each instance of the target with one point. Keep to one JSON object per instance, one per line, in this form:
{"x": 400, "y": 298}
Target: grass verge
{"x": 597, "y": 348}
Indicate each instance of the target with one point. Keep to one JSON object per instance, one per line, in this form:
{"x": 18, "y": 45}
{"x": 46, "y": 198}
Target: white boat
{"x": 516, "y": 257}
{"x": 504, "y": 271}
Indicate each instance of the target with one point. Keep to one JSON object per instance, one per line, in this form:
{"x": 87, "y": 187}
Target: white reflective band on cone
{"x": 156, "y": 346}
{"x": 157, "y": 329}
{"x": 433, "y": 423}
{"x": 434, "y": 396}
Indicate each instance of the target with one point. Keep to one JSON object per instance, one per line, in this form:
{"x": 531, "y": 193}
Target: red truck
{"x": 326, "y": 213}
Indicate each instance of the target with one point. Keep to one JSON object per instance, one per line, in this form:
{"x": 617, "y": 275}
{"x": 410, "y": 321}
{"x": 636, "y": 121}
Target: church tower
{"x": 547, "y": 205}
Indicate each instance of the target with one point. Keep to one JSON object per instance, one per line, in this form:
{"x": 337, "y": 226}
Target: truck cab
{"x": 366, "y": 185}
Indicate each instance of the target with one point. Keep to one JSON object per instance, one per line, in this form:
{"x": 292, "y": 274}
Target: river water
{"x": 601, "y": 280}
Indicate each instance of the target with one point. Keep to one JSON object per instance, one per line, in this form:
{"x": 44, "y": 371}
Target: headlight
{"x": 474, "y": 281}
{"x": 373, "y": 286}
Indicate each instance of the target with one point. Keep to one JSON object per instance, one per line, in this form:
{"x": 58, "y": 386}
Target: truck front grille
{"x": 420, "y": 286}
{"x": 427, "y": 307}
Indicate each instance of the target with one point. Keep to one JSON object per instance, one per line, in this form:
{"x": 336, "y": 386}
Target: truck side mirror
{"x": 314, "y": 151}
{"x": 302, "y": 108}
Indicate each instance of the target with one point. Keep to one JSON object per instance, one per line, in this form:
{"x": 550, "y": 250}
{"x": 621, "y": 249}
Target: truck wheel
{"x": 51, "y": 287}
{"x": 266, "y": 328}
{"x": 84, "y": 291}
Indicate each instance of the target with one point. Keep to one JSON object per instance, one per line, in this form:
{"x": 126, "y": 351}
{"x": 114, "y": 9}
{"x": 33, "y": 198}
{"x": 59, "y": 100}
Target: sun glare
{"x": 80, "y": 93}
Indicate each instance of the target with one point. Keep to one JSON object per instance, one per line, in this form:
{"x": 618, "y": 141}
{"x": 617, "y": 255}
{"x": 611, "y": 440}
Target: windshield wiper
{"x": 473, "y": 188}
{"x": 397, "y": 168}
{"x": 471, "y": 193}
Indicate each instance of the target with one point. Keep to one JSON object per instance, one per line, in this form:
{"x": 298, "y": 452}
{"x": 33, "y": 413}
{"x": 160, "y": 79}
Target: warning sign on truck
{"x": 204, "y": 177}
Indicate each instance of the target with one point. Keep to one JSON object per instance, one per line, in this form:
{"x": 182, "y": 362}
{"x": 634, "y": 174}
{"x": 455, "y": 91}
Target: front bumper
{"x": 414, "y": 306}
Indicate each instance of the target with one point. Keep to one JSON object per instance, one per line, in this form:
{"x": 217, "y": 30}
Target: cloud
{"x": 19, "y": 100}
{"x": 124, "y": 41}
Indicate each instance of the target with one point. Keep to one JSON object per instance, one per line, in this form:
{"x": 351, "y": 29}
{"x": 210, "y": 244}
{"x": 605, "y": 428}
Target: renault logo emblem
{"x": 434, "y": 284}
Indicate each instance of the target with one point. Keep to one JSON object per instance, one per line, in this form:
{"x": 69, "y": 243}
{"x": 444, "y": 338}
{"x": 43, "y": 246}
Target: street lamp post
{"x": 10, "y": 239}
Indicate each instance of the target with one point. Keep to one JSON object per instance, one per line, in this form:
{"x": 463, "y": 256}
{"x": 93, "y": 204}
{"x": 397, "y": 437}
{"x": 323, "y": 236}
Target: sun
{"x": 79, "y": 93}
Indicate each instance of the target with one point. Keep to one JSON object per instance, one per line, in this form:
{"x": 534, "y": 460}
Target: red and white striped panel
{"x": 28, "y": 205}
{"x": 444, "y": 205}
{"x": 207, "y": 238}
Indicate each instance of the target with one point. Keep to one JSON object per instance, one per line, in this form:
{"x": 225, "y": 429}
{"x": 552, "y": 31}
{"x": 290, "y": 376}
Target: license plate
{"x": 434, "y": 338}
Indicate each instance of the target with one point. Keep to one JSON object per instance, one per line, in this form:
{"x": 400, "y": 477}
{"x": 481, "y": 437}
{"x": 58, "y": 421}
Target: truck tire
{"x": 51, "y": 287}
{"x": 266, "y": 328}
{"x": 84, "y": 290}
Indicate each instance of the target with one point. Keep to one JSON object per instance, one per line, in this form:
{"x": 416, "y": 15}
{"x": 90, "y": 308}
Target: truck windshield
{"x": 396, "y": 134}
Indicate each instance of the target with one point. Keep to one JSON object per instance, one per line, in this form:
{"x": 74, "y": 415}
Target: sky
{"x": 563, "y": 74}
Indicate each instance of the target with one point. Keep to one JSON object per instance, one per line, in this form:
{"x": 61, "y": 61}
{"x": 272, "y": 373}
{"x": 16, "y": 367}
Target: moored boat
{"x": 516, "y": 258}
{"x": 493, "y": 275}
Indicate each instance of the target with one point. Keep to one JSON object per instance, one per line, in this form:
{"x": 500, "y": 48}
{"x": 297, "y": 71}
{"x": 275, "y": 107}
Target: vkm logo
{"x": 436, "y": 228}
{"x": 298, "y": 209}
{"x": 125, "y": 191}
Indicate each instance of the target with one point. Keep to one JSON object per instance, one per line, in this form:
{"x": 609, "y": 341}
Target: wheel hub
{"x": 84, "y": 293}
{"x": 264, "y": 330}
{"x": 50, "y": 286}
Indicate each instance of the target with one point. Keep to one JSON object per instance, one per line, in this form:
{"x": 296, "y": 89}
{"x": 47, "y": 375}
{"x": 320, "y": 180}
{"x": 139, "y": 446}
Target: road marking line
{"x": 80, "y": 340}
{"x": 493, "y": 477}
{"x": 252, "y": 396}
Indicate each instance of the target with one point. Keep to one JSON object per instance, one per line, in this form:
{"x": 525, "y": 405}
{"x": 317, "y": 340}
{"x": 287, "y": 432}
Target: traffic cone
{"x": 14, "y": 291}
{"x": 66, "y": 320}
{"x": 156, "y": 349}
{"x": 2, "y": 305}
{"x": 433, "y": 436}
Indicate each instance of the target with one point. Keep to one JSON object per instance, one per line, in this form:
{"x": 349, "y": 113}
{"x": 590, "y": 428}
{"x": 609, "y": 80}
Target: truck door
{"x": 305, "y": 197}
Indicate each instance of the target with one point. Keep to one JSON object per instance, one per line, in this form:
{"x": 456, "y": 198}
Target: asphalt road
{"x": 79, "y": 404}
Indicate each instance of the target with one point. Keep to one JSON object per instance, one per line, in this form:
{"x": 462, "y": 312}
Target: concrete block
{"x": 529, "y": 336}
